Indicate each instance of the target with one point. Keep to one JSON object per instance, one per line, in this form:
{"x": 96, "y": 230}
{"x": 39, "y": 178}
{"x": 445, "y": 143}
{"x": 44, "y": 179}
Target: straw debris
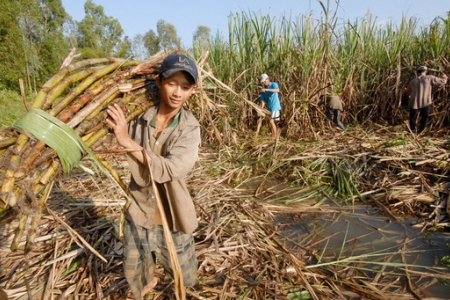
{"x": 60, "y": 233}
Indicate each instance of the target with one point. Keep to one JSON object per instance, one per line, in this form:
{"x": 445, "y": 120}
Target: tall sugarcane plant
{"x": 366, "y": 62}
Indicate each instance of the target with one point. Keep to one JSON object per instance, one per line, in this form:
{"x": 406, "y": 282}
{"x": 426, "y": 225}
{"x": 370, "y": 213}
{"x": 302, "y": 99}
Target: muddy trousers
{"x": 142, "y": 246}
{"x": 423, "y": 113}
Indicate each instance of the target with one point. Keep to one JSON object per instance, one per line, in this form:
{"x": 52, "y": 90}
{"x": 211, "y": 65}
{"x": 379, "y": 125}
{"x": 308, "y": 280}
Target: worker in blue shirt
{"x": 269, "y": 99}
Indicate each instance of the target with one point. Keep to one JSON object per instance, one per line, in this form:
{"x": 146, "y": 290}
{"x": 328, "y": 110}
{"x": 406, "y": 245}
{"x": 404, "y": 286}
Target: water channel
{"x": 362, "y": 238}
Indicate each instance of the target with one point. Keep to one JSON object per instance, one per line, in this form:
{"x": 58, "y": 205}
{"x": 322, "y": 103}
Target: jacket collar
{"x": 184, "y": 119}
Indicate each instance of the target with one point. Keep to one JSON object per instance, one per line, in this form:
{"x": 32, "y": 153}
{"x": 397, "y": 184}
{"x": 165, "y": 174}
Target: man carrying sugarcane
{"x": 420, "y": 98}
{"x": 269, "y": 98}
{"x": 162, "y": 146}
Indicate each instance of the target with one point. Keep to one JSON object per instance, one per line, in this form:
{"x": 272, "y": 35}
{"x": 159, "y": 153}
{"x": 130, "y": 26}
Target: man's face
{"x": 175, "y": 90}
{"x": 266, "y": 82}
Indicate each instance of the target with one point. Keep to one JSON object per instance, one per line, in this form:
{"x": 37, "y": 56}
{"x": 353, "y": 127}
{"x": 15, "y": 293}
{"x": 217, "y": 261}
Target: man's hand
{"x": 118, "y": 123}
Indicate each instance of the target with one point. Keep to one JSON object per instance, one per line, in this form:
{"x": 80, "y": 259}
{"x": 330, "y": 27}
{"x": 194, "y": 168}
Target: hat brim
{"x": 170, "y": 72}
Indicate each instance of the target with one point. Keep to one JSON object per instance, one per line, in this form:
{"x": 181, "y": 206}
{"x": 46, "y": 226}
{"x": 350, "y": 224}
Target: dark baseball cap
{"x": 176, "y": 63}
{"x": 422, "y": 68}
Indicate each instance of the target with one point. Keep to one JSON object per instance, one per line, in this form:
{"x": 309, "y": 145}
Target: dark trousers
{"x": 333, "y": 114}
{"x": 424, "y": 114}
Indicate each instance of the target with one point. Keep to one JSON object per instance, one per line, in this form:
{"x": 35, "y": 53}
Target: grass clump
{"x": 11, "y": 106}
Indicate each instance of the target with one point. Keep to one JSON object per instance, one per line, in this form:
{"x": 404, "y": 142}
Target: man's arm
{"x": 270, "y": 90}
{"x": 263, "y": 103}
{"x": 439, "y": 81}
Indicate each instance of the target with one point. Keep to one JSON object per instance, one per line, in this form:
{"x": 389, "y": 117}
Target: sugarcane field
{"x": 317, "y": 210}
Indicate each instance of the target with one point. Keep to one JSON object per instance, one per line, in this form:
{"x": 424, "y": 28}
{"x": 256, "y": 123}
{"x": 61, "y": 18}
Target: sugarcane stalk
{"x": 87, "y": 96}
{"x": 92, "y": 106}
{"x": 88, "y": 136}
{"x": 77, "y": 105}
{"x": 88, "y": 108}
{"x": 36, "y": 218}
{"x": 108, "y": 101}
{"x": 95, "y": 121}
{"x": 55, "y": 79}
{"x": 149, "y": 66}
{"x": 45, "y": 156}
{"x": 78, "y": 90}
{"x": 8, "y": 179}
{"x": 94, "y": 112}
{"x": 37, "y": 172}
{"x": 46, "y": 177}
{"x": 100, "y": 133}
{"x": 90, "y": 126}
{"x": 6, "y": 142}
{"x": 99, "y": 73}
{"x": 99, "y": 114}
{"x": 112, "y": 171}
{"x": 19, "y": 232}
{"x": 86, "y": 83}
{"x": 29, "y": 159}
{"x": 63, "y": 84}
{"x": 37, "y": 149}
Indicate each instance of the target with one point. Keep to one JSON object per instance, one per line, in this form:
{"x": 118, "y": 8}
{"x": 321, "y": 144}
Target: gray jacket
{"x": 419, "y": 90}
{"x": 334, "y": 102}
{"x": 178, "y": 156}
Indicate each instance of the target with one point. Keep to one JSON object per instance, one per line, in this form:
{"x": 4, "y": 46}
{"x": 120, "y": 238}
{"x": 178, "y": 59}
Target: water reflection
{"x": 359, "y": 242}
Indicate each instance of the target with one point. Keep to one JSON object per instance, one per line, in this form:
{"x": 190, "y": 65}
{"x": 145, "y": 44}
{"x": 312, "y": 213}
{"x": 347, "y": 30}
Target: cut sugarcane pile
{"x": 239, "y": 242}
{"x": 77, "y": 96}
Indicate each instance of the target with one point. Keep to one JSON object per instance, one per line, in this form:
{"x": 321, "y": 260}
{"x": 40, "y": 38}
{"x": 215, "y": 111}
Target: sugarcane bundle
{"x": 77, "y": 96}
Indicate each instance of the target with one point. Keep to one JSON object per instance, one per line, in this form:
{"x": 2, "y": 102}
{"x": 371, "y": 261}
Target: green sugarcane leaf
{"x": 64, "y": 140}
{"x": 55, "y": 134}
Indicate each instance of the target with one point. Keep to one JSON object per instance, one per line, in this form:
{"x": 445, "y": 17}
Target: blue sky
{"x": 139, "y": 16}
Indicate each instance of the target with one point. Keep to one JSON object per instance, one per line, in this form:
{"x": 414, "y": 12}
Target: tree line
{"x": 36, "y": 36}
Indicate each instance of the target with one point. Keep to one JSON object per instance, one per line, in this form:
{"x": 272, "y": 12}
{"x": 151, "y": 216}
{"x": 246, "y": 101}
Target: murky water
{"x": 363, "y": 238}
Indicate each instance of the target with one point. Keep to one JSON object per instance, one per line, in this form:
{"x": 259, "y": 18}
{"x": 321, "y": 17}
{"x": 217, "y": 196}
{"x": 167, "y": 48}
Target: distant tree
{"x": 53, "y": 46}
{"x": 167, "y": 35}
{"x": 12, "y": 46}
{"x": 202, "y": 36}
{"x": 137, "y": 48}
{"x": 32, "y": 43}
{"x": 70, "y": 30}
{"x": 151, "y": 43}
{"x": 100, "y": 35}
